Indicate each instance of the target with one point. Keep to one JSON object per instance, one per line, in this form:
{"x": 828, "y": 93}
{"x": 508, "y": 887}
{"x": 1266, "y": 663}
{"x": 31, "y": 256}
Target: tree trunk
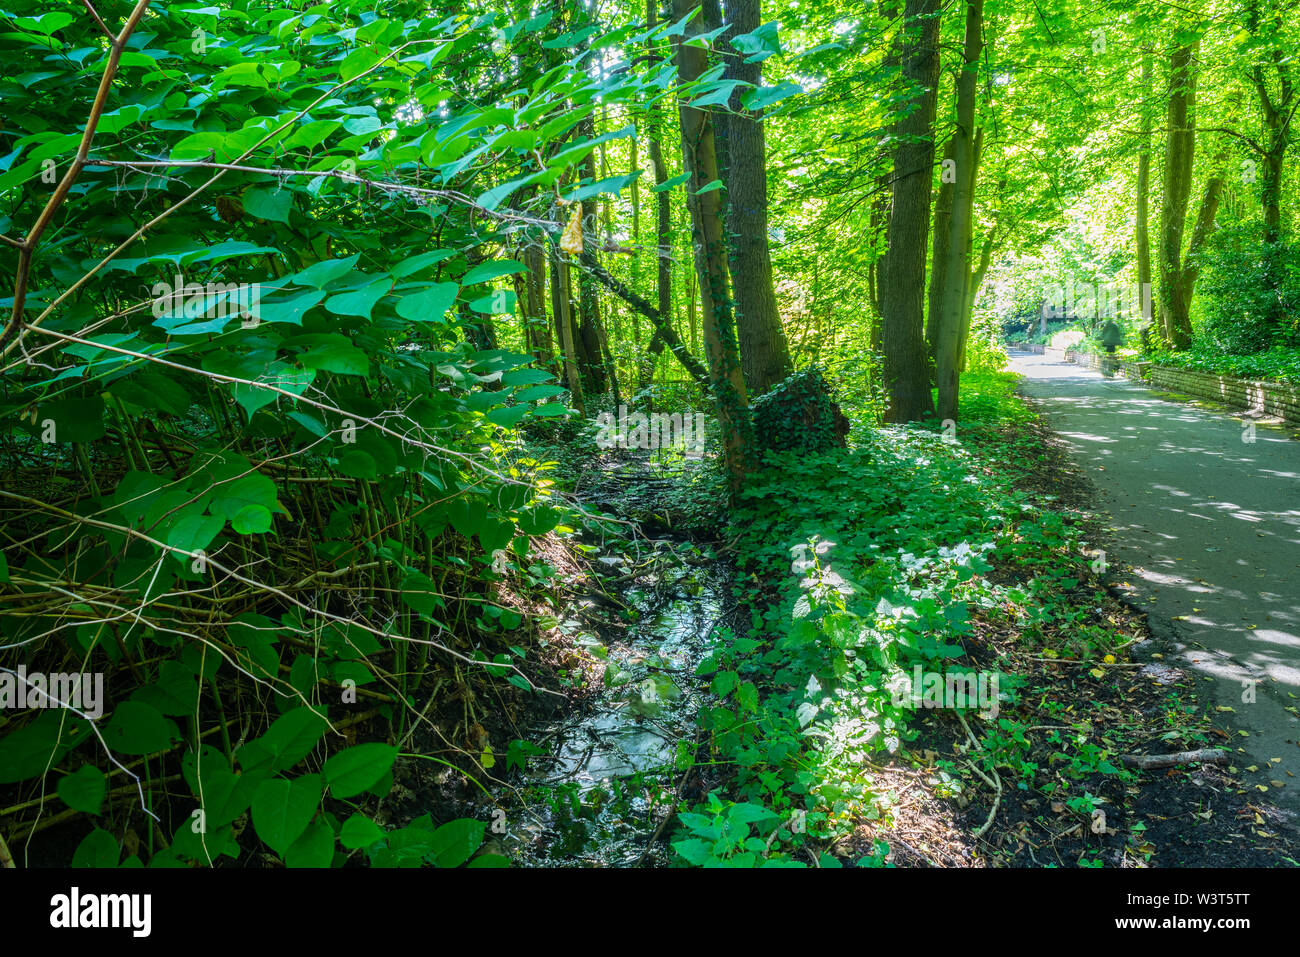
{"x": 1180, "y": 148}
{"x": 663, "y": 224}
{"x": 1142, "y": 228}
{"x": 953, "y": 316}
{"x": 764, "y": 351}
{"x": 939, "y": 248}
{"x": 1204, "y": 227}
{"x": 564, "y": 326}
{"x": 700, "y": 160}
{"x": 539, "y": 338}
{"x": 902, "y": 297}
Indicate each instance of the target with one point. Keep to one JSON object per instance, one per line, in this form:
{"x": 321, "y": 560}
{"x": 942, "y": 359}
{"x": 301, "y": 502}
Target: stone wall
{"x": 1272, "y": 398}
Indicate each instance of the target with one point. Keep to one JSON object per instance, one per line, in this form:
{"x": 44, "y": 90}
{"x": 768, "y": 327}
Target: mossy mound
{"x": 799, "y": 414}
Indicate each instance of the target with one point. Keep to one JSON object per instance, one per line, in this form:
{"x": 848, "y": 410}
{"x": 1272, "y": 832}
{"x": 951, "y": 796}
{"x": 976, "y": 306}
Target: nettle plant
{"x": 258, "y": 424}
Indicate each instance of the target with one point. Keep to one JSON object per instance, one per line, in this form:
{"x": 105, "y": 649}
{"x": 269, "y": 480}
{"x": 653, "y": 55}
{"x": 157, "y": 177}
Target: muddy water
{"x": 605, "y": 779}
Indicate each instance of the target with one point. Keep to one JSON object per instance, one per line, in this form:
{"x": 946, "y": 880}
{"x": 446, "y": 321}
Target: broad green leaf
{"x": 139, "y": 728}
{"x": 83, "y": 790}
{"x": 97, "y": 849}
{"x": 429, "y": 305}
{"x": 283, "y": 809}
{"x": 357, "y": 768}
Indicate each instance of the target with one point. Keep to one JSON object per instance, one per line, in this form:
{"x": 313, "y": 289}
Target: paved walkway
{"x": 1210, "y": 524}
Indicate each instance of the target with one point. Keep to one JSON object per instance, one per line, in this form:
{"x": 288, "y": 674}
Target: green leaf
{"x": 97, "y": 849}
{"x": 354, "y": 463}
{"x": 759, "y": 44}
{"x": 139, "y": 728}
{"x": 27, "y": 752}
{"x": 611, "y": 185}
{"x": 359, "y": 302}
{"x": 83, "y": 789}
{"x": 429, "y": 305}
{"x": 337, "y": 355}
{"x": 289, "y": 739}
{"x": 359, "y": 831}
{"x": 765, "y": 96}
{"x": 500, "y": 302}
{"x": 251, "y": 520}
{"x": 176, "y": 692}
{"x": 356, "y": 769}
{"x": 74, "y": 420}
{"x": 455, "y": 842}
{"x": 283, "y": 809}
{"x": 414, "y": 264}
{"x": 312, "y": 134}
{"x": 269, "y": 204}
{"x": 314, "y": 849}
{"x": 670, "y": 183}
{"x": 484, "y": 272}
{"x": 321, "y": 274}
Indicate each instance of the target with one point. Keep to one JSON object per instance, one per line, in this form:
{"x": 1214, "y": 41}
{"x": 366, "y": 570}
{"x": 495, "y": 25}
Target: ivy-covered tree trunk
{"x": 540, "y": 339}
{"x": 727, "y": 381}
{"x": 902, "y": 297}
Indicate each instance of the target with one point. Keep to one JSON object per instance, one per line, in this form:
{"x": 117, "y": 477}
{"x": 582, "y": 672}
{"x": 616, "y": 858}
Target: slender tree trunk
{"x": 564, "y": 326}
{"x": 953, "y": 316}
{"x": 902, "y": 298}
{"x": 939, "y": 246}
{"x": 534, "y": 300}
{"x": 1142, "y": 228}
{"x": 1180, "y": 148}
{"x": 600, "y": 366}
{"x": 1204, "y": 227}
{"x": 663, "y": 223}
{"x": 720, "y": 348}
{"x": 764, "y": 351}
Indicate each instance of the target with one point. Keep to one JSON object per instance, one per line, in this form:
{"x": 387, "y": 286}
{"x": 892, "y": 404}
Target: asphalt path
{"x": 1205, "y": 510}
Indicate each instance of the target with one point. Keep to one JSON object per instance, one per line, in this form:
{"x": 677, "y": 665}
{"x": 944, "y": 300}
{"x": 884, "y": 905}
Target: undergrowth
{"x": 882, "y": 555}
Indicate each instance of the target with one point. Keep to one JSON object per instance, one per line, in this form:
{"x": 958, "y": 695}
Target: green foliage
{"x": 1278, "y": 364}
{"x": 799, "y": 414}
{"x": 1250, "y": 292}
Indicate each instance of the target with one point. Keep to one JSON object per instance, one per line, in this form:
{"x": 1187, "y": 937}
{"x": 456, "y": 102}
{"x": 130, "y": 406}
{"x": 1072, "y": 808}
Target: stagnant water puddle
{"x": 607, "y": 773}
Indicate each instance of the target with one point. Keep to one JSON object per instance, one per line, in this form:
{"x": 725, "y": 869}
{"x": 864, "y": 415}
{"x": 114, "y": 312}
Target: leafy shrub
{"x": 984, "y": 353}
{"x": 1279, "y": 364}
{"x": 1249, "y": 292}
{"x": 799, "y": 415}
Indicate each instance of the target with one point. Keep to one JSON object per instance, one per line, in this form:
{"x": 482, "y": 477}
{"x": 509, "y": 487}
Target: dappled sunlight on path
{"x": 1207, "y": 514}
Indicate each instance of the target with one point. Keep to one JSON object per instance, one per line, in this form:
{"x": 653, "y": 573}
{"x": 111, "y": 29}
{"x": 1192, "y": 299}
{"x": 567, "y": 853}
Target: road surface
{"x": 1208, "y": 517}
